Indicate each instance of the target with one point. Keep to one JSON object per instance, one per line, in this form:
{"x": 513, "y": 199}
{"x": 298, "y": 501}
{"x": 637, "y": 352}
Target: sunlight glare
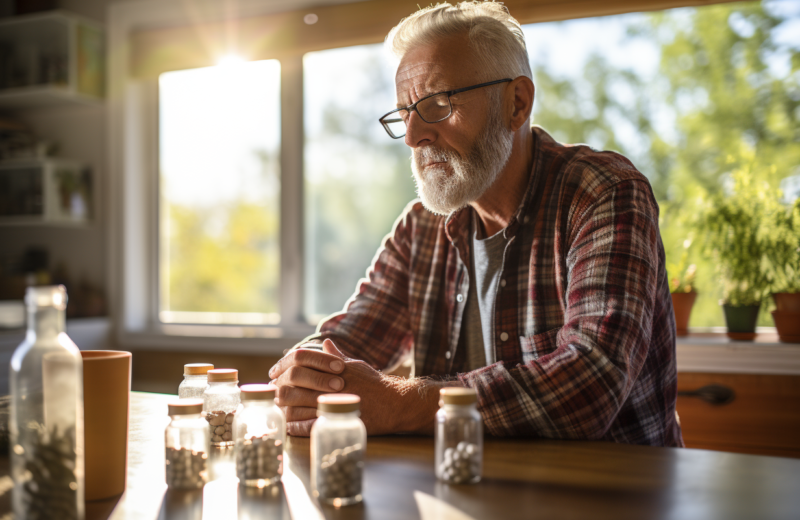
{"x": 230, "y": 60}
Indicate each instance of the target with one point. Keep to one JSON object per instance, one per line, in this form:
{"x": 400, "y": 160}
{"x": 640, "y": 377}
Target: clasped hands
{"x": 388, "y": 404}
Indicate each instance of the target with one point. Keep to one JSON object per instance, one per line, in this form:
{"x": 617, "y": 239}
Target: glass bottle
{"x": 186, "y": 442}
{"x": 220, "y": 400}
{"x": 260, "y": 432}
{"x": 338, "y": 445}
{"x": 46, "y": 423}
{"x": 194, "y": 381}
{"x": 459, "y": 437}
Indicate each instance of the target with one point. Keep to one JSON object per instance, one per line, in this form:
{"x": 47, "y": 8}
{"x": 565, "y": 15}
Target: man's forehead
{"x": 425, "y": 77}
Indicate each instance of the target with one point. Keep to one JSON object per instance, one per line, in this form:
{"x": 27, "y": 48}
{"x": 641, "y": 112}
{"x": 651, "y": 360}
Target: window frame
{"x": 133, "y": 231}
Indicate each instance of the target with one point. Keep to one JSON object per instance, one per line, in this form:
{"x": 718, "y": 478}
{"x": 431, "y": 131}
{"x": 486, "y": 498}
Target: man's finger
{"x": 309, "y": 358}
{"x": 311, "y": 379}
{"x": 299, "y": 413}
{"x": 295, "y": 396}
{"x": 329, "y": 347}
{"x": 300, "y": 428}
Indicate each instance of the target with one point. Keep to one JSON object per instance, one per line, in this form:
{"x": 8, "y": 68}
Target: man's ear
{"x": 519, "y": 95}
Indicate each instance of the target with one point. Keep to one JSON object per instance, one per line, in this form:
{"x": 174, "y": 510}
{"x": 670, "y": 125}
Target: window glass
{"x": 689, "y": 95}
{"x": 357, "y": 179}
{"x": 219, "y": 137}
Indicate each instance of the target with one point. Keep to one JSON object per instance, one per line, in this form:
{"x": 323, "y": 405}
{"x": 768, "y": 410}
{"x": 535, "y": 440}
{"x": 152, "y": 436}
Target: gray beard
{"x": 444, "y": 192}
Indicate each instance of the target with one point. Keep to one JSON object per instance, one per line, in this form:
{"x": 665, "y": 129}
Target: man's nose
{"x": 418, "y": 132}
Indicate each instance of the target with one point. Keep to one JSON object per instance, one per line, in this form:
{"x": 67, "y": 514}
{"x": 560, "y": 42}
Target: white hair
{"x": 494, "y": 35}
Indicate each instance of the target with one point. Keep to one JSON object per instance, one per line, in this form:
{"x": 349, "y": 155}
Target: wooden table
{"x": 522, "y": 479}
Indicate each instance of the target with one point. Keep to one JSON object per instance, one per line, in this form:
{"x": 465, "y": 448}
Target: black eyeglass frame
{"x": 413, "y": 107}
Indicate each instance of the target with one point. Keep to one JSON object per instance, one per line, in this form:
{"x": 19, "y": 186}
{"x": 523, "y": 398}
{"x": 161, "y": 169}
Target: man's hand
{"x": 388, "y": 404}
{"x": 301, "y": 376}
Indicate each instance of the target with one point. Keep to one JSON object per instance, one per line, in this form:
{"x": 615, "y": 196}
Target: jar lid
{"x": 46, "y": 296}
{"x": 258, "y": 392}
{"x": 197, "y": 369}
{"x": 458, "y": 395}
{"x": 185, "y": 407}
{"x": 338, "y": 403}
{"x": 219, "y": 375}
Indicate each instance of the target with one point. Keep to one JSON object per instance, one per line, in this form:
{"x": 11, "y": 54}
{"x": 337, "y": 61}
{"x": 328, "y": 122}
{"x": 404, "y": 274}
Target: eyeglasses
{"x": 431, "y": 109}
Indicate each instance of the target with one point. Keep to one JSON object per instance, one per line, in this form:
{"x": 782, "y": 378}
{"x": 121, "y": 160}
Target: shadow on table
{"x": 224, "y": 500}
{"x": 354, "y": 512}
{"x": 101, "y": 509}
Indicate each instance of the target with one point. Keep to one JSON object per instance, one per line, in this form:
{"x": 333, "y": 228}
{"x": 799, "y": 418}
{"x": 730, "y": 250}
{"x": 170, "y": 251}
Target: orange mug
{"x": 106, "y": 403}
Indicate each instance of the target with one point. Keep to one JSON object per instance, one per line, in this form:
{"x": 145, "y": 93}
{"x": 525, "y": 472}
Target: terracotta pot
{"x": 788, "y": 325}
{"x": 741, "y": 321}
{"x": 106, "y": 394}
{"x": 682, "y": 304}
{"x": 787, "y": 302}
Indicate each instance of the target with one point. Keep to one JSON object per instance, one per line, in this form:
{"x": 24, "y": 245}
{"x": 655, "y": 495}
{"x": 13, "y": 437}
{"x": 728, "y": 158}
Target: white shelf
{"x": 44, "y": 96}
{"x": 59, "y": 57}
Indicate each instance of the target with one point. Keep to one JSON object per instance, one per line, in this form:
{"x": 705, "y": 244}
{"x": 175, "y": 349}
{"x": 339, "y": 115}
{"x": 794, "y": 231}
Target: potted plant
{"x": 784, "y": 261}
{"x": 732, "y": 223}
{"x": 681, "y": 286}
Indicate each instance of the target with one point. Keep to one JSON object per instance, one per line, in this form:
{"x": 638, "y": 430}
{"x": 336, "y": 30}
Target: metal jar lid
{"x": 338, "y": 403}
{"x": 223, "y": 375}
{"x": 197, "y": 369}
{"x": 185, "y": 407}
{"x": 458, "y": 395}
{"x": 258, "y": 392}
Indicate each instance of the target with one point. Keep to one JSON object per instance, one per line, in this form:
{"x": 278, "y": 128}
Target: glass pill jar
{"x": 186, "y": 443}
{"x": 338, "y": 446}
{"x": 259, "y": 430}
{"x": 459, "y": 437}
{"x": 220, "y": 401}
{"x": 194, "y": 381}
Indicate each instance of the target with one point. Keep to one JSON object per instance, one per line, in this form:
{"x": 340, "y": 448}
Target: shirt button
{"x": 502, "y": 283}
{"x": 447, "y": 354}
{"x": 503, "y": 336}
{"x": 526, "y": 220}
{"x": 460, "y": 298}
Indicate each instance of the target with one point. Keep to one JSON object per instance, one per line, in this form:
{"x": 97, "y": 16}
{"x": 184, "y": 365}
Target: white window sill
{"x": 229, "y": 339}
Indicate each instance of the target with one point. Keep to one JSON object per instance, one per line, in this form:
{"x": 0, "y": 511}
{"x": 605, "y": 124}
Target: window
{"x": 219, "y": 130}
{"x": 357, "y": 181}
{"x": 681, "y": 93}
{"x": 677, "y": 91}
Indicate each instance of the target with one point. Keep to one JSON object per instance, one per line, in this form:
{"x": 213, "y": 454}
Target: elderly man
{"x": 531, "y": 271}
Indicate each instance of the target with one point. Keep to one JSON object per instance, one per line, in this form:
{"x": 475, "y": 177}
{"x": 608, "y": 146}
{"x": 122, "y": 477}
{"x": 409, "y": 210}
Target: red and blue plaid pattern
{"x": 585, "y": 333}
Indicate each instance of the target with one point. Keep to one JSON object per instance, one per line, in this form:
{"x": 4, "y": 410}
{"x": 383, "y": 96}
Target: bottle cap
{"x": 219, "y": 375}
{"x": 185, "y": 407}
{"x": 197, "y": 369}
{"x": 46, "y": 296}
{"x": 338, "y": 403}
{"x": 458, "y": 395}
{"x": 258, "y": 392}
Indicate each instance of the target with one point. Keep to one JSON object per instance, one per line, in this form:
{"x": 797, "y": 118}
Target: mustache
{"x": 431, "y": 154}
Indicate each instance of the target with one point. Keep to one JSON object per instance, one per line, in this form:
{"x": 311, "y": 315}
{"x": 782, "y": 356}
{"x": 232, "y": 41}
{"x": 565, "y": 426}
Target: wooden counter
{"x": 522, "y": 479}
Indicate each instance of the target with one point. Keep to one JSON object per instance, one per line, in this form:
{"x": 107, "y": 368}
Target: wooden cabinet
{"x": 763, "y": 417}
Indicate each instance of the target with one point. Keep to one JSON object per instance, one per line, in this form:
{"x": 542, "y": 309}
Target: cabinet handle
{"x": 715, "y": 395}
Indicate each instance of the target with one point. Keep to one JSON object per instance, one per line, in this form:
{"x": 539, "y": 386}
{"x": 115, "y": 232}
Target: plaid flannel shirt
{"x": 583, "y": 320}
